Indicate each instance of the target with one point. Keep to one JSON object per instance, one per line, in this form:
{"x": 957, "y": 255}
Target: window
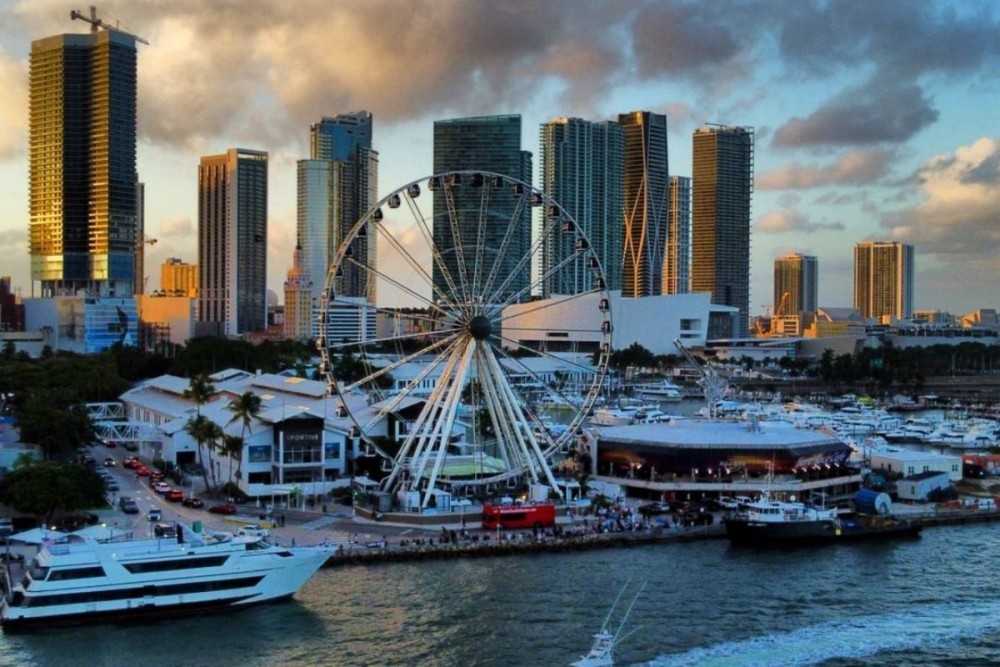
{"x": 76, "y": 573}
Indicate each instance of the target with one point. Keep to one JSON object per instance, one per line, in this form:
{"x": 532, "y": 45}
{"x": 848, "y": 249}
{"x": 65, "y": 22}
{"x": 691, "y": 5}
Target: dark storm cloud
{"x": 873, "y": 113}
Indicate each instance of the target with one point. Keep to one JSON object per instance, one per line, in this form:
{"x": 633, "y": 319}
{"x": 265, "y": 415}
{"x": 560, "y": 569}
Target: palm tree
{"x": 203, "y": 430}
{"x": 245, "y": 408}
{"x": 200, "y": 390}
{"x": 232, "y": 447}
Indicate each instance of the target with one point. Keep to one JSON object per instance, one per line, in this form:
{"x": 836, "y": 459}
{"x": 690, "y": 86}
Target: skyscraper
{"x": 490, "y": 144}
{"x": 581, "y": 167}
{"x": 331, "y": 203}
{"x": 677, "y": 266}
{"x": 82, "y": 204}
{"x": 232, "y": 243}
{"x": 644, "y": 198}
{"x": 720, "y": 229}
{"x": 797, "y": 276}
{"x": 883, "y": 279}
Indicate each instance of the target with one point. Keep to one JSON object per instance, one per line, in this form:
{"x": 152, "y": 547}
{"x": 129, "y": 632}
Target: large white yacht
{"x": 81, "y": 580}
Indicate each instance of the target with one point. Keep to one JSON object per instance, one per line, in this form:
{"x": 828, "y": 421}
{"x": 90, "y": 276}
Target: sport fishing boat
{"x": 80, "y": 580}
{"x": 605, "y": 641}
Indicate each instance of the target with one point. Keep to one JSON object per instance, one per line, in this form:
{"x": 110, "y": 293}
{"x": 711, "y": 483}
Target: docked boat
{"x": 81, "y": 580}
{"x": 767, "y": 521}
{"x": 661, "y": 392}
{"x": 605, "y": 641}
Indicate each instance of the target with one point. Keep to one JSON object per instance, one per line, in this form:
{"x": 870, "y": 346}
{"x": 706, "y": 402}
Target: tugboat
{"x": 767, "y": 521}
{"x": 602, "y": 652}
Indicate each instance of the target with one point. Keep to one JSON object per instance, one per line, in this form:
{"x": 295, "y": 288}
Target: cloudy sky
{"x": 873, "y": 120}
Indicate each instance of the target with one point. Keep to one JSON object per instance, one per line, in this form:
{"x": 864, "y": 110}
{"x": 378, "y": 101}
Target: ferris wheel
{"x": 453, "y": 391}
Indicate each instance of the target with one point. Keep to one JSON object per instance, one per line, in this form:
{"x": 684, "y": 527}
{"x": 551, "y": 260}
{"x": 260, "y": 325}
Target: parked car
{"x": 142, "y": 471}
{"x": 191, "y": 501}
{"x": 223, "y": 508}
{"x": 173, "y": 495}
{"x": 253, "y": 530}
{"x": 161, "y": 487}
{"x": 130, "y": 462}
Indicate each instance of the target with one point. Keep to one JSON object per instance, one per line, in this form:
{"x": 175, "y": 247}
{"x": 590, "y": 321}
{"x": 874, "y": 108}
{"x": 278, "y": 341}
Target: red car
{"x": 173, "y": 495}
{"x": 142, "y": 471}
{"x": 224, "y": 508}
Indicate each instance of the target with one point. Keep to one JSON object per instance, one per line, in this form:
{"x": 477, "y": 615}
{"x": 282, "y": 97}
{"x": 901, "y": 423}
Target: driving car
{"x": 223, "y": 508}
{"x": 191, "y": 501}
{"x": 128, "y": 505}
{"x": 173, "y": 495}
{"x": 110, "y": 462}
{"x": 164, "y": 530}
{"x": 155, "y": 514}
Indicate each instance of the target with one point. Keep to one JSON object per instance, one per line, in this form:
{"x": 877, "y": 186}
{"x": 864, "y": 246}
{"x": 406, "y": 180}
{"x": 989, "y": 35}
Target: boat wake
{"x": 859, "y": 637}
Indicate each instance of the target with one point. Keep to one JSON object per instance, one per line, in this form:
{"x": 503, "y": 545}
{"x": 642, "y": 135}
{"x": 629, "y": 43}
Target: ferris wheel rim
{"x": 464, "y": 304}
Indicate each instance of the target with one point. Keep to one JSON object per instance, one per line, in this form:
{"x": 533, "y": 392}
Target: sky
{"x": 873, "y": 120}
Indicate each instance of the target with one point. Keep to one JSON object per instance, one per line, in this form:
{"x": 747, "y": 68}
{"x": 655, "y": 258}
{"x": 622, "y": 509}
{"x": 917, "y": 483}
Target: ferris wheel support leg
{"x": 451, "y": 408}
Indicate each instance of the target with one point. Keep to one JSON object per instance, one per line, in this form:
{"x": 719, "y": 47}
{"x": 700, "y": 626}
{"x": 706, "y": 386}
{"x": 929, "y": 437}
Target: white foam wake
{"x": 856, "y": 637}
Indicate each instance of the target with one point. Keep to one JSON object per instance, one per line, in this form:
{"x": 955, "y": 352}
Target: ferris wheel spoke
{"x": 543, "y": 353}
{"x": 409, "y": 388}
{"x": 455, "y": 223}
{"x": 385, "y": 370}
{"x": 547, "y": 303}
{"x": 401, "y": 286}
{"x": 484, "y": 208}
{"x": 437, "y": 259}
{"x": 535, "y": 248}
{"x": 505, "y": 243}
{"x": 413, "y": 263}
{"x": 556, "y": 268}
{"x": 547, "y": 384}
{"x": 365, "y": 344}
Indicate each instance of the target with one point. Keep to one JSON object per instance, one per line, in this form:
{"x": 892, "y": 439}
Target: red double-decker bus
{"x": 503, "y": 517}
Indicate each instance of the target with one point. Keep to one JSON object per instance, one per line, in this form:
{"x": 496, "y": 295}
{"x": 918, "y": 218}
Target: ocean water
{"x": 930, "y": 601}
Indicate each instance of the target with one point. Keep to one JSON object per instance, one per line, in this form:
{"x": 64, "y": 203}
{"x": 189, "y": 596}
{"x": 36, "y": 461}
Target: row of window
{"x": 83, "y": 597}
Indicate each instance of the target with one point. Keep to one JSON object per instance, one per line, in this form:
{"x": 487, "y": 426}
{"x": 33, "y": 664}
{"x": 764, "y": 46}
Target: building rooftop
{"x": 705, "y": 434}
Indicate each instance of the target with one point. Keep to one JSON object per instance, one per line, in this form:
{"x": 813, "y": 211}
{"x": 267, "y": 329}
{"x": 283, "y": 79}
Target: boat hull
{"x": 743, "y": 531}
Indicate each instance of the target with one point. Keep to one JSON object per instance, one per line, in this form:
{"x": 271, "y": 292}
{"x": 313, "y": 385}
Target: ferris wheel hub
{"x": 480, "y": 327}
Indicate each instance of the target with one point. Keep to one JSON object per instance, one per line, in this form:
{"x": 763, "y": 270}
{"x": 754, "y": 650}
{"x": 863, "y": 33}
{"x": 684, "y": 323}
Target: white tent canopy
{"x": 101, "y": 533}
{"x": 37, "y": 536}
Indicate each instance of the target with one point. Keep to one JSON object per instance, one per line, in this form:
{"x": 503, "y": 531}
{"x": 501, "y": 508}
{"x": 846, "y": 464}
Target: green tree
{"x": 245, "y": 408}
{"x": 58, "y": 430}
{"x": 44, "y": 488}
{"x": 232, "y": 447}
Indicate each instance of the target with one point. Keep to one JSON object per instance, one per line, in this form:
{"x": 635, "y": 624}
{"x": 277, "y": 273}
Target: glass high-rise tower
{"x": 720, "y": 221}
{"x": 677, "y": 265}
{"x": 582, "y": 164}
{"x": 883, "y": 279}
{"x": 83, "y": 185}
{"x": 488, "y": 144}
{"x": 232, "y": 243}
{"x": 337, "y": 186}
{"x": 644, "y": 197}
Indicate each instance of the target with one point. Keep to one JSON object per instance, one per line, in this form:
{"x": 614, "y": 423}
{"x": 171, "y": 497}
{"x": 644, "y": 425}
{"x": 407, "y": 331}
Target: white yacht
{"x": 661, "y": 392}
{"x": 605, "y": 640}
{"x": 80, "y": 580}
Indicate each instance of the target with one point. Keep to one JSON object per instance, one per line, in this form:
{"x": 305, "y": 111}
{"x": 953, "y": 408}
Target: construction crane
{"x": 96, "y": 23}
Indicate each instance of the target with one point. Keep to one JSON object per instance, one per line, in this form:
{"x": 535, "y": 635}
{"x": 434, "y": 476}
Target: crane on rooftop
{"x": 95, "y": 23}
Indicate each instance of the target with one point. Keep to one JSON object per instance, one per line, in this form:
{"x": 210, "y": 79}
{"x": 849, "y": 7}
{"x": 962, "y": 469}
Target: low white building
{"x": 918, "y": 487}
{"x": 909, "y": 462}
{"x": 301, "y": 436}
{"x": 573, "y": 323}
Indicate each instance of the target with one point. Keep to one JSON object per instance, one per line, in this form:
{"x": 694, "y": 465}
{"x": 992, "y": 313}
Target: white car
{"x": 252, "y": 530}
{"x": 161, "y": 487}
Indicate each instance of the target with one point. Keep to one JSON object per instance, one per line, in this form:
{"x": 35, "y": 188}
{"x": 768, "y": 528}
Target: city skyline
{"x": 863, "y": 135}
